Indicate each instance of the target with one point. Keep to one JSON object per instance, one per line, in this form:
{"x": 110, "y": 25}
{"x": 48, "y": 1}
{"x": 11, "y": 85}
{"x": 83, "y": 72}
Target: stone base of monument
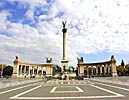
{"x": 65, "y": 76}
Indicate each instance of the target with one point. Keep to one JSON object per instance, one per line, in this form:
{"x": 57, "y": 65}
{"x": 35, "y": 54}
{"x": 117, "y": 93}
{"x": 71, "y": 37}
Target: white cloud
{"x": 3, "y": 20}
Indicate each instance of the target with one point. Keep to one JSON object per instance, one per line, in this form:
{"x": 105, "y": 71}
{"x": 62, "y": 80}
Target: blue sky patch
{"x": 5, "y": 33}
{"x": 17, "y": 13}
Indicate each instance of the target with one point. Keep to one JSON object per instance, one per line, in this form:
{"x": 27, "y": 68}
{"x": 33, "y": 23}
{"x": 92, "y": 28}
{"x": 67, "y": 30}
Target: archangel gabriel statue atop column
{"x": 64, "y": 23}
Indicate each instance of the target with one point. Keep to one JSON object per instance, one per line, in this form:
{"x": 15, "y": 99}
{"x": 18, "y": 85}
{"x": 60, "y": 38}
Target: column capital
{"x": 64, "y": 30}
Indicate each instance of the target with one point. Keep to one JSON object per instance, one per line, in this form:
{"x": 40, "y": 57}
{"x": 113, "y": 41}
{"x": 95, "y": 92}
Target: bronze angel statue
{"x": 64, "y": 23}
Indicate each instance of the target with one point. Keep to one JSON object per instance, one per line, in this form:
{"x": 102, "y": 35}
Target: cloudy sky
{"x": 32, "y": 30}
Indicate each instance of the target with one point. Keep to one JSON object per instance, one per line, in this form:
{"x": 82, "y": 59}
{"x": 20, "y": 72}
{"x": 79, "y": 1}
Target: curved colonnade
{"x": 107, "y": 68}
{"x": 27, "y": 70}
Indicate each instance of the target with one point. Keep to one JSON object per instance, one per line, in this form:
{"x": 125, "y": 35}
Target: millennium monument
{"x": 64, "y": 61}
{"x": 27, "y": 70}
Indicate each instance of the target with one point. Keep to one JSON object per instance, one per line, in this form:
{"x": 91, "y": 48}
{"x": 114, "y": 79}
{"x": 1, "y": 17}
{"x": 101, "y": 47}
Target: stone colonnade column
{"x": 32, "y": 70}
{"x": 105, "y": 69}
{"x": 109, "y": 69}
{"x": 24, "y": 70}
{"x": 16, "y": 68}
{"x": 87, "y": 70}
{"x": 21, "y": 70}
{"x": 28, "y": 71}
{"x": 92, "y": 72}
{"x": 42, "y": 71}
{"x": 113, "y": 66}
{"x": 37, "y": 71}
{"x": 100, "y": 69}
{"x": 97, "y": 70}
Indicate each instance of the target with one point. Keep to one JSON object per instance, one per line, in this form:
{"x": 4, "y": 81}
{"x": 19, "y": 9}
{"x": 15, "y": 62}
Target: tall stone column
{"x": 64, "y": 43}
{"x": 64, "y": 60}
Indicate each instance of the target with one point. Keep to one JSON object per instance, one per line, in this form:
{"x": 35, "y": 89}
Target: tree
{"x": 8, "y": 71}
{"x": 121, "y": 70}
{"x": 127, "y": 67}
{"x": 122, "y": 63}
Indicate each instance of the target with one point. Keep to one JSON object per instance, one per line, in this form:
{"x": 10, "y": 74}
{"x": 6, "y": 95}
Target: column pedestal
{"x": 65, "y": 70}
{"x": 64, "y": 64}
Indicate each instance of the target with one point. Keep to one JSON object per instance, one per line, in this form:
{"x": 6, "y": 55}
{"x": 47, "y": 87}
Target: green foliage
{"x": 8, "y": 71}
{"x": 122, "y": 63}
{"x": 121, "y": 70}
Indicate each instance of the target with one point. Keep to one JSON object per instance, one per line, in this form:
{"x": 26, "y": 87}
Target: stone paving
{"x": 87, "y": 89}
{"x": 82, "y": 89}
{"x": 13, "y": 82}
{"x": 122, "y": 80}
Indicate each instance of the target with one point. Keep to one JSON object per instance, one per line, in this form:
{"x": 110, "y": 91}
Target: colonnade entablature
{"x": 106, "y": 68}
{"x": 27, "y": 70}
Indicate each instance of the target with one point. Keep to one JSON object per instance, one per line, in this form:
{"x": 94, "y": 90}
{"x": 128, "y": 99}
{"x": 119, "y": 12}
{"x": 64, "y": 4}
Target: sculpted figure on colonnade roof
{"x": 16, "y": 57}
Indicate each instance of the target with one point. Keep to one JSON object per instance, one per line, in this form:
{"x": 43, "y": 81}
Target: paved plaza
{"x": 99, "y": 88}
